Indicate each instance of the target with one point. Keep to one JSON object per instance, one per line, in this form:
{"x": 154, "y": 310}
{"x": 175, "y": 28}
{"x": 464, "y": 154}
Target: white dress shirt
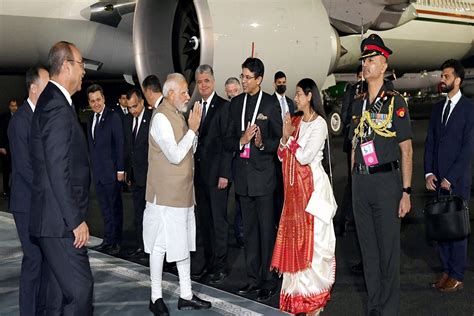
{"x": 63, "y": 90}
{"x": 140, "y": 117}
{"x": 32, "y": 106}
{"x": 454, "y": 100}
{"x": 283, "y": 104}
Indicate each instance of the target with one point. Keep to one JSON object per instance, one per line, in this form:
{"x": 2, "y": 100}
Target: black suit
{"x": 35, "y": 275}
{"x": 106, "y": 151}
{"x": 136, "y": 166}
{"x": 4, "y": 143}
{"x": 212, "y": 162}
{"x": 255, "y": 181}
{"x": 279, "y": 192}
{"x": 60, "y": 196}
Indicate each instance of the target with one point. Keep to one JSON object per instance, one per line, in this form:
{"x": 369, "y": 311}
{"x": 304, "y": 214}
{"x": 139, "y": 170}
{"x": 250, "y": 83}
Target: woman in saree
{"x": 305, "y": 243}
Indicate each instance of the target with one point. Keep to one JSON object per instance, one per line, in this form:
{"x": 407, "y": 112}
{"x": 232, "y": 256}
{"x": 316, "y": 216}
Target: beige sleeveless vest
{"x": 169, "y": 184}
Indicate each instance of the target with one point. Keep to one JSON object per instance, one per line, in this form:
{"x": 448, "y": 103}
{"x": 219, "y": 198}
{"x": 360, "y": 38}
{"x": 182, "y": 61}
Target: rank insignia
{"x": 401, "y": 112}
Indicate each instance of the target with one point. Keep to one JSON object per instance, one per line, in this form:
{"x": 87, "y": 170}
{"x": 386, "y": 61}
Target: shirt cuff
{"x": 120, "y": 172}
{"x": 428, "y": 174}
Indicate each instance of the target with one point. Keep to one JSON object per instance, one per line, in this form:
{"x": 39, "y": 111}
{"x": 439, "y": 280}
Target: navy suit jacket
{"x": 449, "y": 149}
{"x": 212, "y": 161}
{"x": 136, "y": 153}
{"x": 289, "y": 102}
{"x": 58, "y": 149}
{"x": 107, "y": 148}
{"x": 22, "y": 172}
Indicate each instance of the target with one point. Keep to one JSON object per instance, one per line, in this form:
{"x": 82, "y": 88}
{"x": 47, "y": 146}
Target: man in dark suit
{"x": 449, "y": 148}
{"x": 105, "y": 134}
{"x": 60, "y": 190}
{"x": 35, "y": 275}
{"x": 4, "y": 145}
{"x": 136, "y": 130}
{"x": 152, "y": 90}
{"x": 121, "y": 108}
{"x": 212, "y": 174}
{"x": 286, "y": 105}
{"x": 255, "y": 128}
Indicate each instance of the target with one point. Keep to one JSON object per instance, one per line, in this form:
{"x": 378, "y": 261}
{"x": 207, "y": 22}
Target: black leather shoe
{"x": 248, "y": 289}
{"x": 113, "y": 250}
{"x": 357, "y": 268}
{"x": 170, "y": 267}
{"x": 217, "y": 278}
{"x": 265, "y": 294}
{"x": 103, "y": 245}
{"x": 136, "y": 252}
{"x": 159, "y": 308}
{"x": 194, "y": 303}
{"x": 199, "y": 275}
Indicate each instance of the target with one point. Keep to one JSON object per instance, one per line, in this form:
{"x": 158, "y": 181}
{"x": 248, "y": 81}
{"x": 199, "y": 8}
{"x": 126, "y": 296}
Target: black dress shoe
{"x": 170, "y": 267}
{"x": 199, "y": 275}
{"x": 358, "y": 268}
{"x": 217, "y": 277}
{"x": 194, "y": 303}
{"x": 159, "y": 308}
{"x": 136, "y": 252}
{"x": 248, "y": 289}
{"x": 103, "y": 245}
{"x": 265, "y": 294}
{"x": 113, "y": 250}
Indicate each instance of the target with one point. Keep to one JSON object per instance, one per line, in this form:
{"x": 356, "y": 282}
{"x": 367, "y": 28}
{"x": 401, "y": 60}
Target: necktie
{"x": 135, "y": 129}
{"x": 446, "y": 112}
{"x": 203, "y": 116}
{"x": 283, "y": 107}
{"x": 97, "y": 117}
{"x": 125, "y": 111}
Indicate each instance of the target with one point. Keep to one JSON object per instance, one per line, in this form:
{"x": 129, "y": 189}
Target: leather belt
{"x": 385, "y": 167}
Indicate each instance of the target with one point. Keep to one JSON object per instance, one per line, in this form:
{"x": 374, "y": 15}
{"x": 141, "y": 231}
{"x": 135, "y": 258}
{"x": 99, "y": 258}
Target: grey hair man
{"x": 168, "y": 222}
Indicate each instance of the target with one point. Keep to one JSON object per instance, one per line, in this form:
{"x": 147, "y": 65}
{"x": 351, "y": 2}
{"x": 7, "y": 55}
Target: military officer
{"x": 382, "y": 171}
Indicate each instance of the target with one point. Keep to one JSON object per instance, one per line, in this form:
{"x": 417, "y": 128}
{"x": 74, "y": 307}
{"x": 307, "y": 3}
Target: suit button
{"x": 198, "y": 159}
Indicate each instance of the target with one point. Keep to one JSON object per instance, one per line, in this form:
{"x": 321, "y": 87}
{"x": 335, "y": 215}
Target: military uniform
{"x": 377, "y": 190}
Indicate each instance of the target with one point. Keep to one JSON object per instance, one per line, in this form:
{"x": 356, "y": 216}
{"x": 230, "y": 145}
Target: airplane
{"x": 305, "y": 38}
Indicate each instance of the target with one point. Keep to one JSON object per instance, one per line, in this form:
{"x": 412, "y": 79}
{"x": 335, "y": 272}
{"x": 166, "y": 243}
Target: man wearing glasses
{"x": 255, "y": 128}
{"x": 60, "y": 190}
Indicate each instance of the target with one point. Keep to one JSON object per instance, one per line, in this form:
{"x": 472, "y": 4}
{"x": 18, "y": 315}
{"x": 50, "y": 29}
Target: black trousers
{"x": 259, "y": 238}
{"x": 139, "y": 203}
{"x": 213, "y": 225}
{"x": 110, "y": 201}
{"x": 70, "y": 266}
{"x": 376, "y": 199}
{"x": 6, "y": 171}
{"x": 279, "y": 193}
{"x": 39, "y": 290}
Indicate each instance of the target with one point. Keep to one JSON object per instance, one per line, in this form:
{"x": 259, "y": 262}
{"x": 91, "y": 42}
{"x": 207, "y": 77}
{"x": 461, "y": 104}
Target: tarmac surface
{"x": 419, "y": 260}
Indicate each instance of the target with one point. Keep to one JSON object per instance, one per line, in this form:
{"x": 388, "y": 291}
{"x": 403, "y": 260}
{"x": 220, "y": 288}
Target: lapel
{"x": 98, "y": 128}
{"x": 452, "y": 117}
{"x": 143, "y": 127}
{"x": 211, "y": 110}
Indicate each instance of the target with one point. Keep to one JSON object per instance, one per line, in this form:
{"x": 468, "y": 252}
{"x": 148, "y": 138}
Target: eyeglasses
{"x": 81, "y": 62}
{"x": 246, "y": 78}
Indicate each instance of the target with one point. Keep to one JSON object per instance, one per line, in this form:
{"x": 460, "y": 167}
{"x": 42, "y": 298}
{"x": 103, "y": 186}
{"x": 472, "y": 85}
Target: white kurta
{"x": 320, "y": 277}
{"x": 170, "y": 229}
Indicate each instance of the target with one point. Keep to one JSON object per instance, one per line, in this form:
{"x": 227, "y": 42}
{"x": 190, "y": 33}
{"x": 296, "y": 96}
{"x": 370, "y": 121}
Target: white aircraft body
{"x": 304, "y": 38}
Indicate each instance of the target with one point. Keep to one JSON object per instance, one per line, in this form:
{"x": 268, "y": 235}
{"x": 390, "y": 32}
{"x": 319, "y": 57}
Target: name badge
{"x": 246, "y": 153}
{"x": 369, "y": 154}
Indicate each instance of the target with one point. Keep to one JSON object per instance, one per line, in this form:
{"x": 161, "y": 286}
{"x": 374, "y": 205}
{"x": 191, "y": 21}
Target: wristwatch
{"x": 407, "y": 190}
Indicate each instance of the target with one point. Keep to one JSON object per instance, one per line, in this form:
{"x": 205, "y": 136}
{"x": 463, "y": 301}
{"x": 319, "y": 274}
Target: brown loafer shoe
{"x": 452, "y": 285}
{"x": 440, "y": 282}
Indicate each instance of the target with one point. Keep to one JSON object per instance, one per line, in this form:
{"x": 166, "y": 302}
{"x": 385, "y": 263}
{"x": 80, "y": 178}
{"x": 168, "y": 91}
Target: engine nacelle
{"x": 179, "y": 35}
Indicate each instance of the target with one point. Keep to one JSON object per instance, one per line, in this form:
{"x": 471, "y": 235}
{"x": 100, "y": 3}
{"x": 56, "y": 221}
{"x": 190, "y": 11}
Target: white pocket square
{"x": 261, "y": 117}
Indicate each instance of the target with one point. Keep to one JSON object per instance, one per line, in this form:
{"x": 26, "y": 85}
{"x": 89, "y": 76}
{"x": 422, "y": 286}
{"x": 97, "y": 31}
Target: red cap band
{"x": 377, "y": 48}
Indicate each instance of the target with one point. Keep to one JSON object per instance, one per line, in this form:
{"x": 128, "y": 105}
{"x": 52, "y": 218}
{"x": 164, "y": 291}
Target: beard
{"x": 447, "y": 88}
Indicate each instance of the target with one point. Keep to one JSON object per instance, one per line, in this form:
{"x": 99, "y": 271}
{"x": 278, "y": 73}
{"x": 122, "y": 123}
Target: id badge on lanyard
{"x": 246, "y": 152}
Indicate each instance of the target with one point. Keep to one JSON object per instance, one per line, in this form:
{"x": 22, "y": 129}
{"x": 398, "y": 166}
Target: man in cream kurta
{"x": 168, "y": 222}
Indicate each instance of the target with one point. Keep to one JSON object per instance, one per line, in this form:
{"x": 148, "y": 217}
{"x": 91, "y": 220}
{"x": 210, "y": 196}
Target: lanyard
{"x": 254, "y": 112}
